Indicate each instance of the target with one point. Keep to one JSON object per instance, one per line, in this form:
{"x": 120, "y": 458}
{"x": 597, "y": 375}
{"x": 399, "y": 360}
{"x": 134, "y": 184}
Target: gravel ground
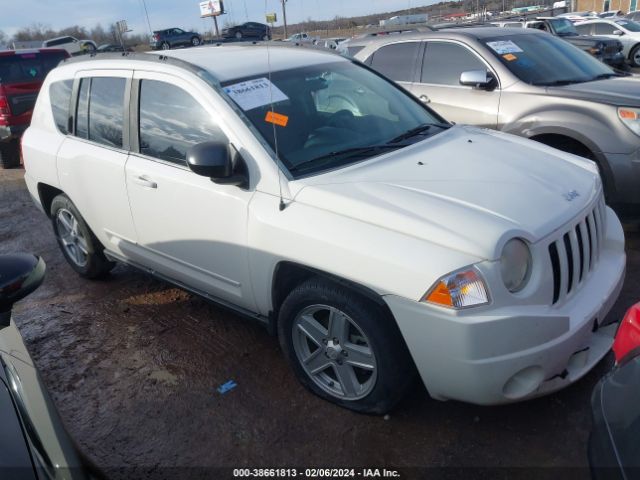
{"x": 133, "y": 366}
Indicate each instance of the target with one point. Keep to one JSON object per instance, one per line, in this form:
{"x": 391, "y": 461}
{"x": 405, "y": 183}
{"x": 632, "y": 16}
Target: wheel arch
{"x": 287, "y": 275}
{"x": 47, "y": 193}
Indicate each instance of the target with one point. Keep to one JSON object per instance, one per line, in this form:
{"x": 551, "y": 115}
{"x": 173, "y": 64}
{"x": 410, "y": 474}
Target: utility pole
{"x": 284, "y": 17}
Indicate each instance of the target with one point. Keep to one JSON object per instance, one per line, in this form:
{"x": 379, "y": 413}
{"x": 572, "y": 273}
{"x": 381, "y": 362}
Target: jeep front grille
{"x": 576, "y": 252}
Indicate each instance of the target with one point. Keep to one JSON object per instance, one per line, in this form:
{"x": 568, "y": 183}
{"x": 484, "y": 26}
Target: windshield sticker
{"x": 504, "y": 46}
{"x": 510, "y": 57}
{"x": 255, "y": 93}
{"x": 276, "y": 118}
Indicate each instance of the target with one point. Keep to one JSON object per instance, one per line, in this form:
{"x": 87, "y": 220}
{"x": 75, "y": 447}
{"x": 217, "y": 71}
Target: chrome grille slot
{"x": 576, "y": 252}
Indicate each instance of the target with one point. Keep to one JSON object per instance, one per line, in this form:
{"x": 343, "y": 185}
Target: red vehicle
{"x": 21, "y": 75}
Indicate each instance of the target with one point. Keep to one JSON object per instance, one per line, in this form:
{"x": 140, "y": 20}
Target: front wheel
{"x": 634, "y": 57}
{"x": 80, "y": 247}
{"x": 238, "y": 35}
{"x": 344, "y": 348}
{"x": 195, "y": 41}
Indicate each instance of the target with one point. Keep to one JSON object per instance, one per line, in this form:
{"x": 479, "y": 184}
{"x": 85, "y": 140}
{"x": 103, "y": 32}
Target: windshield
{"x": 330, "y": 115}
{"x": 28, "y": 67}
{"x": 546, "y": 60}
{"x": 629, "y": 25}
{"x": 563, "y": 26}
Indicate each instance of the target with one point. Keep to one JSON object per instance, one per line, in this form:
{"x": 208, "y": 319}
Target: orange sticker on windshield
{"x": 276, "y": 118}
{"x": 510, "y": 57}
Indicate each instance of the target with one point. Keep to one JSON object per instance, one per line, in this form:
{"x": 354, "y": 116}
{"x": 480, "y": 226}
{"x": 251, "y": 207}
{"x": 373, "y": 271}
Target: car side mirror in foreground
{"x": 20, "y": 274}
{"x": 480, "y": 79}
{"x": 219, "y": 161}
{"x": 618, "y": 32}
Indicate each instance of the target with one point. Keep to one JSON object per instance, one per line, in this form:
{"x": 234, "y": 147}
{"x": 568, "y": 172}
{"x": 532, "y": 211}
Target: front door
{"x": 439, "y": 85}
{"x": 189, "y": 228}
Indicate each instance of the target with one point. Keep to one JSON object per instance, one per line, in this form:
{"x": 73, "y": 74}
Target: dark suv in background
{"x": 248, "y": 30}
{"x": 174, "y": 37}
{"x": 21, "y": 75}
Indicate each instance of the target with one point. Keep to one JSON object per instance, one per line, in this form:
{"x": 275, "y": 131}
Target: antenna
{"x": 282, "y": 205}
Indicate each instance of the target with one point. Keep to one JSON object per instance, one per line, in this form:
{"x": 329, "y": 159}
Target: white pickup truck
{"x": 306, "y": 191}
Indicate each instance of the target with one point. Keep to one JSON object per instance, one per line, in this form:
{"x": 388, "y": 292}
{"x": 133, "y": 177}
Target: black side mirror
{"x": 20, "y": 274}
{"x": 217, "y": 161}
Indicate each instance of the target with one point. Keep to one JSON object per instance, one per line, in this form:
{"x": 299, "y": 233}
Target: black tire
{"x": 10, "y": 154}
{"x": 165, "y": 46}
{"x": 238, "y": 35}
{"x": 195, "y": 41}
{"x": 97, "y": 265}
{"x": 395, "y": 371}
{"x": 634, "y": 56}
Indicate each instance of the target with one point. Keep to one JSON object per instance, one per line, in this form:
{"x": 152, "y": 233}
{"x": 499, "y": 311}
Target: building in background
{"x": 606, "y": 5}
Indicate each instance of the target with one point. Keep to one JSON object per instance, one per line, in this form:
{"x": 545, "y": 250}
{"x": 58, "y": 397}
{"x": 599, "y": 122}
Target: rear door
{"x": 91, "y": 161}
{"x": 397, "y": 61}
{"x": 438, "y": 85}
{"x": 190, "y": 229}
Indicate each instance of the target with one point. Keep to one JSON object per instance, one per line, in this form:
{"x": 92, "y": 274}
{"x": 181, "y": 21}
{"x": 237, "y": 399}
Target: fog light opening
{"x": 523, "y": 383}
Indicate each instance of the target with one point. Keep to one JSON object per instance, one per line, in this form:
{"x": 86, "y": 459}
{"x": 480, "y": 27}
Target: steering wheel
{"x": 342, "y": 118}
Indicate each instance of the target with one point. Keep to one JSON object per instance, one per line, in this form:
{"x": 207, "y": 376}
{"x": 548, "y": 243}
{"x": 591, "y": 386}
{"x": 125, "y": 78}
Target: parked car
{"x": 248, "y": 30}
{"x": 611, "y": 14}
{"x": 312, "y": 194}
{"x": 174, "y": 37}
{"x": 627, "y": 31}
{"x": 635, "y": 16}
{"x": 71, "y": 45}
{"x": 110, "y": 47}
{"x": 607, "y": 50}
{"x": 21, "y": 76}
{"x": 302, "y": 38}
{"x": 33, "y": 441}
{"x": 527, "y": 83}
{"x": 579, "y": 16}
{"x": 331, "y": 43}
{"x": 614, "y": 451}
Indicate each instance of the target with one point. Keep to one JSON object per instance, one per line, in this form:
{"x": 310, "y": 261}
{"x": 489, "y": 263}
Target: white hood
{"x": 467, "y": 189}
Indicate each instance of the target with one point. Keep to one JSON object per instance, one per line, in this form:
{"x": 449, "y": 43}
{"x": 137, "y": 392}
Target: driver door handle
{"x": 425, "y": 99}
{"x": 144, "y": 181}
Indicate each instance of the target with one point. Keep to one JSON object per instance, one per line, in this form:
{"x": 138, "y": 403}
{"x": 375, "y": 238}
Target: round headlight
{"x": 515, "y": 265}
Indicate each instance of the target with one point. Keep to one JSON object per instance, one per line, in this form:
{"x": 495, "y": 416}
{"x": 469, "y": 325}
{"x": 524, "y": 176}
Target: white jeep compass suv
{"x": 302, "y": 189}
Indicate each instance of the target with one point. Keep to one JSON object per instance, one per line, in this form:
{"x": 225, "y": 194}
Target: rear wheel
{"x": 165, "y": 46}
{"x": 10, "y": 154}
{"x": 79, "y": 245}
{"x": 634, "y": 57}
{"x": 238, "y": 35}
{"x": 344, "y": 348}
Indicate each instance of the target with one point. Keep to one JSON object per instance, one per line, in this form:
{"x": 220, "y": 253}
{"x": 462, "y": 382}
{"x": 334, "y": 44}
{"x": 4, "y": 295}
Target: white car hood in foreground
{"x": 466, "y": 189}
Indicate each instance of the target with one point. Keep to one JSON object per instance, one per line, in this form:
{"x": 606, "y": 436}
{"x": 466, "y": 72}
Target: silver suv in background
{"x": 527, "y": 83}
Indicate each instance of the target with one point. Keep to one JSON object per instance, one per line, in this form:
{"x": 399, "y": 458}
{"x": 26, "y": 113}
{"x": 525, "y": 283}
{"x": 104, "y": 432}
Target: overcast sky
{"x": 179, "y": 13}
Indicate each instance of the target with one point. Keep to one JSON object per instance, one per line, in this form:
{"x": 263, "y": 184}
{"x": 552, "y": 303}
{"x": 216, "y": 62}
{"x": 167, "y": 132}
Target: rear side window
{"x": 605, "y": 29}
{"x": 28, "y": 67}
{"x": 584, "y": 29}
{"x": 171, "y": 121}
{"x": 444, "y": 62}
{"x": 59, "y": 96}
{"x": 396, "y": 61}
{"x": 100, "y": 114}
{"x": 59, "y": 41}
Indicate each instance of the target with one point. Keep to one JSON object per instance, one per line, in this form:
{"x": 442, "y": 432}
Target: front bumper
{"x": 12, "y": 132}
{"x": 617, "y": 61}
{"x": 503, "y": 355}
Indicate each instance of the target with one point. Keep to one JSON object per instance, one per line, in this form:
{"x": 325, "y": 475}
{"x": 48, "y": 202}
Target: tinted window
{"x": 60, "y": 95}
{"x": 396, "y": 61}
{"x": 171, "y": 121}
{"x": 444, "y": 62}
{"x": 82, "y": 112}
{"x": 323, "y": 112}
{"x": 584, "y": 29}
{"x": 59, "y": 41}
{"x": 604, "y": 29}
{"x": 28, "y": 67}
{"x": 545, "y": 59}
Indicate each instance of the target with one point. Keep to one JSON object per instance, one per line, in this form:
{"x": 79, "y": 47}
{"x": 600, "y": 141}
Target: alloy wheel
{"x": 73, "y": 241}
{"x": 334, "y": 352}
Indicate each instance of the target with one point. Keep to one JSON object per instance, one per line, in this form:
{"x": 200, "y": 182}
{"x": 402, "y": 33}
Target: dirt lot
{"x": 133, "y": 366}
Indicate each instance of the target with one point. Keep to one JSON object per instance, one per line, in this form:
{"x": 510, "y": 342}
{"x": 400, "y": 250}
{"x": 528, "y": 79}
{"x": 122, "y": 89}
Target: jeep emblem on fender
{"x": 572, "y": 195}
